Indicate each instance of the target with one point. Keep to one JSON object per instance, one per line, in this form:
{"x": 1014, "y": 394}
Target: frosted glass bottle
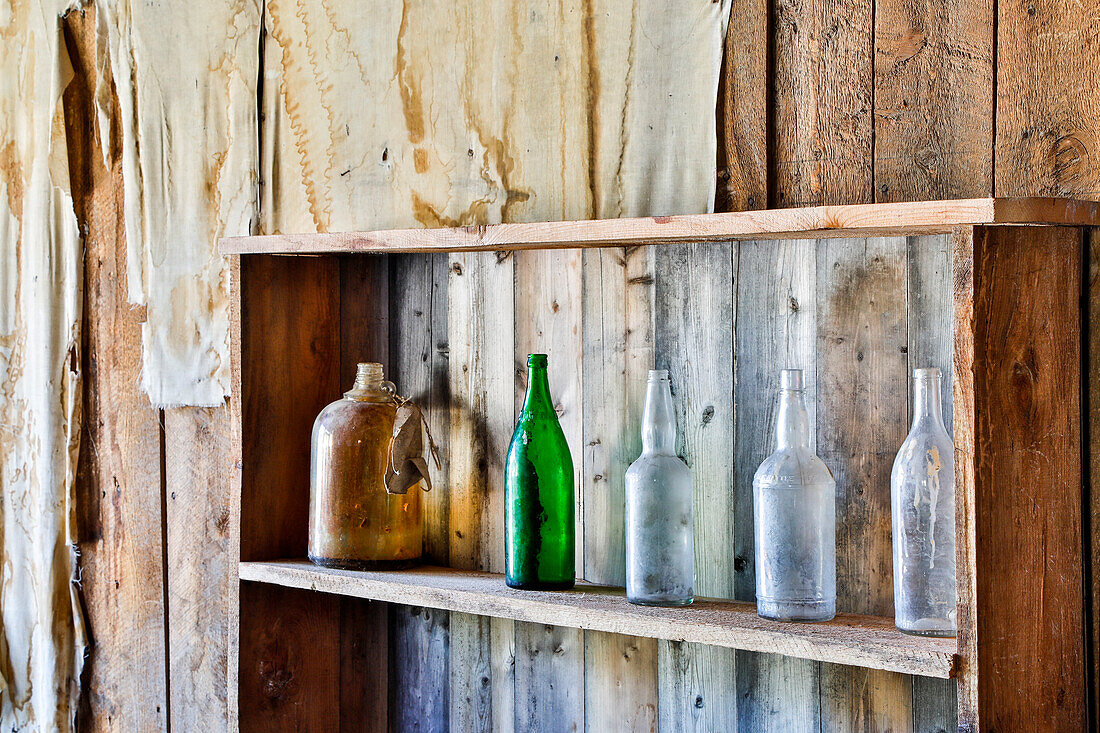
{"x": 922, "y": 498}
{"x": 794, "y": 508}
{"x": 660, "y": 545}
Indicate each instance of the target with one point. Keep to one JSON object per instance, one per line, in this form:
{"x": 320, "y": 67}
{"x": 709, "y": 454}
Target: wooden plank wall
{"x": 824, "y": 101}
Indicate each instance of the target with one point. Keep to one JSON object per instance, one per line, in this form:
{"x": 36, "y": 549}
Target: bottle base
{"x": 799, "y": 611}
{"x": 662, "y": 603}
{"x": 540, "y": 584}
{"x": 927, "y": 627}
{"x": 351, "y": 564}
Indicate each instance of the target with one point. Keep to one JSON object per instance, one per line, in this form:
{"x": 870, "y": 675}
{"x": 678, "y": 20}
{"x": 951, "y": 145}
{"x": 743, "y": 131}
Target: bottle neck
{"x": 792, "y": 428}
{"x": 537, "y": 401}
{"x": 926, "y": 400}
{"x": 658, "y": 419}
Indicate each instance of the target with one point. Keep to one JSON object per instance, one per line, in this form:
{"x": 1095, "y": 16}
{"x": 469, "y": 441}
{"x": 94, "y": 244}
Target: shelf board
{"x": 862, "y": 641}
{"x": 856, "y": 220}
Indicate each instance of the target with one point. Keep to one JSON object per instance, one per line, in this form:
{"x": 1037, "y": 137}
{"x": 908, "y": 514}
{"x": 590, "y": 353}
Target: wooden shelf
{"x": 858, "y": 220}
{"x": 863, "y": 641}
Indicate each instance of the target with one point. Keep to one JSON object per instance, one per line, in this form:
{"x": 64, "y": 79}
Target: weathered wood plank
{"x": 839, "y": 221}
{"x": 549, "y": 671}
{"x": 930, "y": 320}
{"x": 202, "y": 554}
{"x": 933, "y": 99}
{"x": 419, "y": 678}
{"x": 822, "y": 101}
{"x": 742, "y": 119}
{"x": 694, "y": 337}
{"x": 869, "y": 641}
{"x": 1027, "y": 541}
{"x": 481, "y": 328}
{"x": 1048, "y": 99}
{"x": 620, "y": 671}
{"x": 776, "y": 329}
{"x": 118, "y": 485}
{"x": 862, "y": 420}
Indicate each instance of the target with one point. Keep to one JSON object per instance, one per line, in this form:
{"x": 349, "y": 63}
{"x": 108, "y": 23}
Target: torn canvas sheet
{"x": 436, "y": 113}
{"x": 42, "y": 644}
{"x": 186, "y": 77}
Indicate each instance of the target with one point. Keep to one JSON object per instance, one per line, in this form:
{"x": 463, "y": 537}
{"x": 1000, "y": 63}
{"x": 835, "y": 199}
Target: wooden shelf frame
{"x": 861, "y": 641}
{"x": 1020, "y": 437}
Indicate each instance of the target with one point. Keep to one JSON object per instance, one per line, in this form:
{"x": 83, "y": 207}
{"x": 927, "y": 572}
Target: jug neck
{"x": 369, "y": 384}
{"x": 538, "y": 401}
{"x": 658, "y": 418}
{"x": 792, "y": 428}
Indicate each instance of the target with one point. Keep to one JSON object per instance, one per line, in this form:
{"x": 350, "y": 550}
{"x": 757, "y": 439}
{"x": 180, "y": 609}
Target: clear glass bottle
{"x": 794, "y": 508}
{"x": 353, "y": 522}
{"x": 539, "y": 526}
{"x": 922, "y": 498}
{"x": 660, "y": 545}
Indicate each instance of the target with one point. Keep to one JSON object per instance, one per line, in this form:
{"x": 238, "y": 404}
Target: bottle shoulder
{"x": 792, "y": 467}
{"x": 663, "y": 462}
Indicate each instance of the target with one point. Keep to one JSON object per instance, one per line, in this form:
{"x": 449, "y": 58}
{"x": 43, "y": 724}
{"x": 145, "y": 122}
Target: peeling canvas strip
{"x": 42, "y": 641}
{"x": 186, "y": 76}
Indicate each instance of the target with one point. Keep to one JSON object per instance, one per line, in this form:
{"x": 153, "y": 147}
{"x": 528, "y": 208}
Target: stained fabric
{"x": 42, "y": 641}
{"x": 186, "y": 75}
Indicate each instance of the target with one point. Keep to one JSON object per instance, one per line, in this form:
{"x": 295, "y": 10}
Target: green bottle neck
{"x": 538, "y": 402}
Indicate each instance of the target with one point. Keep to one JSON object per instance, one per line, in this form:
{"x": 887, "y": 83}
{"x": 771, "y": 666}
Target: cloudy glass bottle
{"x": 660, "y": 546}
{"x": 794, "y": 519}
{"x": 538, "y": 493}
{"x": 922, "y": 498}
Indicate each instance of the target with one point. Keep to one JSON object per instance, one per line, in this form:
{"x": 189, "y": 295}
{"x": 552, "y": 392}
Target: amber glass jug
{"x": 353, "y": 522}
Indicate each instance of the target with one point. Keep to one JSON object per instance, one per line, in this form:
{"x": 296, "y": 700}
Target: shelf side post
{"x": 1019, "y": 447}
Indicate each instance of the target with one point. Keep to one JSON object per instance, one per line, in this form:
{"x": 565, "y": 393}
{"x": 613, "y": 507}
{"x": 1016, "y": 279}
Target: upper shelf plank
{"x": 857, "y": 220}
{"x": 862, "y": 641}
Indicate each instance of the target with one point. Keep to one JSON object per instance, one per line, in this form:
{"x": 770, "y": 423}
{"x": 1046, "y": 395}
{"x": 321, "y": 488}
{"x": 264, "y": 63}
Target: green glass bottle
{"x": 538, "y": 493}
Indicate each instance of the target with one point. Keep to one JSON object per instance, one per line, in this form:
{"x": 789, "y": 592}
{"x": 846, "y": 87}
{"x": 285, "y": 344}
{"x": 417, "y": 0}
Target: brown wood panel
{"x": 1026, "y": 534}
{"x": 1048, "y": 99}
{"x": 822, "y": 132}
{"x": 933, "y": 99}
{"x": 742, "y": 110}
{"x": 118, "y": 485}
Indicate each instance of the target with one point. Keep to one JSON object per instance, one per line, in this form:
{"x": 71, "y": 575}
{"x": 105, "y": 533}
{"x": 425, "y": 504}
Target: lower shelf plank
{"x": 861, "y": 641}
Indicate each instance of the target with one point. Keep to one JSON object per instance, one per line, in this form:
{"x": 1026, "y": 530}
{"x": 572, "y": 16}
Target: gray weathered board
{"x": 856, "y": 314}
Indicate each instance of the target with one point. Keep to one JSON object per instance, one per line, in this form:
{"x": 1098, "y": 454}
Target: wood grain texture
{"x": 481, "y": 330}
{"x": 930, "y": 335}
{"x": 1048, "y": 99}
{"x": 1092, "y": 405}
{"x": 840, "y": 221}
{"x": 776, "y": 329}
{"x": 742, "y": 119}
{"x": 118, "y": 484}
{"x": 933, "y": 99}
{"x": 202, "y": 577}
{"x": 419, "y": 679}
{"x": 549, "y": 671}
{"x": 822, "y": 106}
{"x": 1027, "y": 435}
{"x": 849, "y": 639}
{"x": 862, "y": 377}
{"x": 694, "y": 340}
{"x": 620, "y": 671}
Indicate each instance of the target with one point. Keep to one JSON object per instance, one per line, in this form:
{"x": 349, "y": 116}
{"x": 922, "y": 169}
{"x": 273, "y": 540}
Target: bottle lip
{"x": 791, "y": 380}
{"x": 658, "y": 375}
{"x": 926, "y": 373}
{"x": 536, "y": 360}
